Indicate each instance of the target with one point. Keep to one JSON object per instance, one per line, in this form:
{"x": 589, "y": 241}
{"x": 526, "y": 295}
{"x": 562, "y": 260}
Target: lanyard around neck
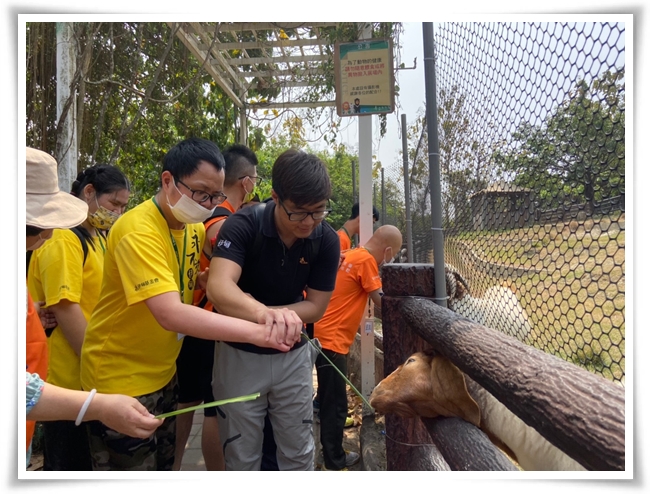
{"x": 181, "y": 267}
{"x": 101, "y": 242}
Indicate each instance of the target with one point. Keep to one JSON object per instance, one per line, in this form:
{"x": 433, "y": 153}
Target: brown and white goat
{"x": 429, "y": 385}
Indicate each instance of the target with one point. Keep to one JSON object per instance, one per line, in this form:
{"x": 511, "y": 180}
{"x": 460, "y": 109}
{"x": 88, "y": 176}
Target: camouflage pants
{"x": 111, "y": 450}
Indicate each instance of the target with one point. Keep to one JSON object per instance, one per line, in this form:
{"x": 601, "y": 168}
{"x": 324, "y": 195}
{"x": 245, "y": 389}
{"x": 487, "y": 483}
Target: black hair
{"x": 183, "y": 159}
{"x": 32, "y": 231}
{"x": 105, "y": 179}
{"x": 301, "y": 178}
{"x": 238, "y": 159}
{"x": 355, "y": 212}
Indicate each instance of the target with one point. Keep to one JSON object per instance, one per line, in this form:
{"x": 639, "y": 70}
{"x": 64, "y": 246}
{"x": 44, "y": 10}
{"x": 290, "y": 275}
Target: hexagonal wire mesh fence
{"x": 531, "y": 123}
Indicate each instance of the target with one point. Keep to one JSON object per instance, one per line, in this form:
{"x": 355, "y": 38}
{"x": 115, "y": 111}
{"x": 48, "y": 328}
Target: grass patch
{"x": 573, "y": 292}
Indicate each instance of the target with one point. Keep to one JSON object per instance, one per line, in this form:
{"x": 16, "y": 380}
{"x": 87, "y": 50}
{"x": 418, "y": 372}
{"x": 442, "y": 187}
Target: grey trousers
{"x": 284, "y": 382}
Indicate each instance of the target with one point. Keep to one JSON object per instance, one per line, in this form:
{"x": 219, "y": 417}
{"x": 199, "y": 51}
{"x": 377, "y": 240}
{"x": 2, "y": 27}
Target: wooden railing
{"x": 581, "y": 413}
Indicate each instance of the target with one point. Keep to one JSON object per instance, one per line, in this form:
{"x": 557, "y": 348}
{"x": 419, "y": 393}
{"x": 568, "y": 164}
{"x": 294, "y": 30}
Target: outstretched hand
{"x": 126, "y": 415}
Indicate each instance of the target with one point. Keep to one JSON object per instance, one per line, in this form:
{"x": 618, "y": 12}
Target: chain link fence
{"x": 531, "y": 122}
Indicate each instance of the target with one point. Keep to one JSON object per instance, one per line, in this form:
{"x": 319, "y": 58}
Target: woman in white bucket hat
{"x": 48, "y": 208}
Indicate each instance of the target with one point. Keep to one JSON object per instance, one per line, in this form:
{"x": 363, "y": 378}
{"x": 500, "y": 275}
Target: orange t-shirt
{"x": 357, "y": 276}
{"x": 36, "y": 352}
{"x": 346, "y": 242}
{"x": 204, "y": 261}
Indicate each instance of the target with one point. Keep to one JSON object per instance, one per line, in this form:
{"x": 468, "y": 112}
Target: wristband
{"x": 84, "y": 407}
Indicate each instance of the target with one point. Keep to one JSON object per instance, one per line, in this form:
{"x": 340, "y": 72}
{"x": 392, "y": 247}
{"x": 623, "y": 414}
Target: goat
{"x": 429, "y": 385}
{"x": 498, "y": 308}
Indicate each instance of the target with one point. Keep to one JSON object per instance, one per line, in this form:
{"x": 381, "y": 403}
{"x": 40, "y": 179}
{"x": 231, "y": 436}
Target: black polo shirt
{"x": 271, "y": 273}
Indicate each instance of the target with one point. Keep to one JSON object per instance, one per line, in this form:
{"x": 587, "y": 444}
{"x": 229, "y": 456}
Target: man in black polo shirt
{"x": 266, "y": 257}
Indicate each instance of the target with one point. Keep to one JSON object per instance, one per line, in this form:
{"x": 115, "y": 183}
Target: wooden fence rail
{"x": 579, "y": 412}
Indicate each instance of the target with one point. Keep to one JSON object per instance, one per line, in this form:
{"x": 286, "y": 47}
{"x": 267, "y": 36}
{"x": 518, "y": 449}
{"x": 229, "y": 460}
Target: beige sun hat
{"x": 47, "y": 206}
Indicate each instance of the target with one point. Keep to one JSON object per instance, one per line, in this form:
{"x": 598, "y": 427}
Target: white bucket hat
{"x": 47, "y": 206}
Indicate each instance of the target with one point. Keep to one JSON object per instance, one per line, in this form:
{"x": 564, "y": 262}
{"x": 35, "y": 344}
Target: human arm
{"x": 226, "y": 296}
{"x": 119, "y": 412}
{"x": 376, "y": 296}
{"x": 47, "y": 317}
{"x": 173, "y": 315}
{"x": 313, "y": 307}
{"x": 71, "y": 322}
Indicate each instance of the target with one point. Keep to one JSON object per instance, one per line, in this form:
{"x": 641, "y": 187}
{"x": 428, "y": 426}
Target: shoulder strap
{"x": 84, "y": 242}
{"x": 258, "y": 215}
{"x": 218, "y": 212}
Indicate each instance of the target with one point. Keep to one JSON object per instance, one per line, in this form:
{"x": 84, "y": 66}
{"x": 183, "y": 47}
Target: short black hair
{"x": 183, "y": 159}
{"x": 238, "y": 159}
{"x": 301, "y": 178}
{"x": 355, "y": 212}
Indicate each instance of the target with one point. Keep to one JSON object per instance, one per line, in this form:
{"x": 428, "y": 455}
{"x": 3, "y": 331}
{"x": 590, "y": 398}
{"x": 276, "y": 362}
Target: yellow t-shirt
{"x": 357, "y": 276}
{"x": 57, "y": 272}
{"x": 125, "y": 350}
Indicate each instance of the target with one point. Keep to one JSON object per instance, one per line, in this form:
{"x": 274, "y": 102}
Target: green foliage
{"x": 142, "y": 93}
{"x": 578, "y": 154}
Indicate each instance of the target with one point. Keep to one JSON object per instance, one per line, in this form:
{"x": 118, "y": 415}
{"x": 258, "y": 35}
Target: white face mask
{"x": 249, "y": 195}
{"x": 188, "y": 211}
{"x": 38, "y": 242}
{"x": 390, "y": 260}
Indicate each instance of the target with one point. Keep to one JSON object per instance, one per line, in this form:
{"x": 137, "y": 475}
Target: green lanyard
{"x": 101, "y": 242}
{"x": 181, "y": 268}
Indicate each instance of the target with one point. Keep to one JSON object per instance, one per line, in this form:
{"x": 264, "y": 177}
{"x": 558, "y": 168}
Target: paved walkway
{"x": 193, "y": 457}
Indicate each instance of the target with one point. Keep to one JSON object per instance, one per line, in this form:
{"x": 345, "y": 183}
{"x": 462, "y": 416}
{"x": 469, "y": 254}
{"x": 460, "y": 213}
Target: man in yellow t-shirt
{"x": 356, "y": 280}
{"x": 145, "y": 308}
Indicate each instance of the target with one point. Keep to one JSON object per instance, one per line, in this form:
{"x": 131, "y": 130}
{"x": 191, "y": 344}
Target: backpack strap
{"x": 84, "y": 242}
{"x": 219, "y": 212}
{"x": 258, "y": 215}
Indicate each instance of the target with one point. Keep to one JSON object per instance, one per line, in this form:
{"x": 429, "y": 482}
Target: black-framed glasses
{"x": 202, "y": 196}
{"x": 256, "y": 179}
{"x": 315, "y": 215}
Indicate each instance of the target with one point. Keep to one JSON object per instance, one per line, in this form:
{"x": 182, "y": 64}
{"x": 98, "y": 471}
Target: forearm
{"x": 58, "y": 404}
{"x": 229, "y": 300}
{"x": 121, "y": 413}
{"x": 307, "y": 311}
{"x": 194, "y": 321}
{"x": 71, "y": 322}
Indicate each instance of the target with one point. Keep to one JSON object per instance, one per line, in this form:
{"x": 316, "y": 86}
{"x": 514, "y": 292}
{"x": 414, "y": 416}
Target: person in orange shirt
{"x": 356, "y": 280}
{"x": 194, "y": 363}
{"x": 351, "y": 227}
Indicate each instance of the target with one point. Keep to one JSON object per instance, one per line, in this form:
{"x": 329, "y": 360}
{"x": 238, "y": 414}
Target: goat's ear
{"x": 449, "y": 387}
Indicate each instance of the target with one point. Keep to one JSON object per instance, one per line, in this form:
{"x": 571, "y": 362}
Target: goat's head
{"x": 426, "y": 385}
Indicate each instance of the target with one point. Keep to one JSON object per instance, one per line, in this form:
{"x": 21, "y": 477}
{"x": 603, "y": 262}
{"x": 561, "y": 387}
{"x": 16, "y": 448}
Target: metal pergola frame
{"x": 287, "y": 57}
